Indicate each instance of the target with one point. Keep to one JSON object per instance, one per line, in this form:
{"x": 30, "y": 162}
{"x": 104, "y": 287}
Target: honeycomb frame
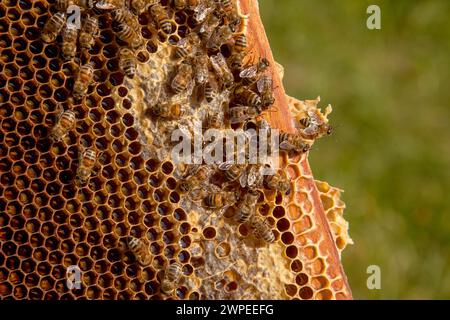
{"x": 47, "y": 223}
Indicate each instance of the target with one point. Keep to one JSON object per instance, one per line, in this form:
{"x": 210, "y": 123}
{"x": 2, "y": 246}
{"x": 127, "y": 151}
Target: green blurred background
{"x": 390, "y": 151}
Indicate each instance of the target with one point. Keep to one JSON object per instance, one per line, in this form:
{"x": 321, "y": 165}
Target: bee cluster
{"x": 94, "y": 198}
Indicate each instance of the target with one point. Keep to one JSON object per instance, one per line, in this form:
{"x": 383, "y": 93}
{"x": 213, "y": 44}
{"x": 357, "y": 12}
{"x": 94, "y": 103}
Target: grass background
{"x": 390, "y": 152}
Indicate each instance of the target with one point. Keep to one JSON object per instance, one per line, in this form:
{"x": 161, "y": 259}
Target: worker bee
{"x": 210, "y": 25}
{"x": 201, "y": 63}
{"x": 53, "y": 27}
{"x": 86, "y": 165}
{"x": 240, "y": 43}
{"x": 247, "y": 207}
{"x": 127, "y": 33}
{"x": 139, "y": 6}
{"x": 220, "y": 36}
{"x": 211, "y": 88}
{"x": 293, "y": 143}
{"x": 213, "y": 120}
{"x": 261, "y": 230}
{"x": 240, "y": 114}
{"x": 167, "y": 110}
{"x": 251, "y": 73}
{"x": 127, "y": 62}
{"x": 265, "y": 88}
{"x": 124, "y": 16}
{"x": 203, "y": 10}
{"x": 233, "y": 19}
{"x": 220, "y": 66}
{"x": 185, "y": 47}
{"x": 220, "y": 199}
{"x": 180, "y": 4}
{"x": 196, "y": 176}
{"x": 171, "y": 277}
{"x": 83, "y": 80}
{"x": 89, "y": 30}
{"x": 140, "y": 250}
{"x": 69, "y": 46}
{"x": 64, "y": 124}
{"x": 106, "y": 4}
{"x": 232, "y": 171}
{"x": 277, "y": 182}
{"x": 237, "y": 61}
{"x": 161, "y": 17}
{"x": 182, "y": 79}
{"x": 62, "y": 5}
{"x": 247, "y": 97}
{"x": 315, "y": 125}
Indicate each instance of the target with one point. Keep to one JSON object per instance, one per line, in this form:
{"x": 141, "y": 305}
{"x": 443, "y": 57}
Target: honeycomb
{"x": 49, "y": 223}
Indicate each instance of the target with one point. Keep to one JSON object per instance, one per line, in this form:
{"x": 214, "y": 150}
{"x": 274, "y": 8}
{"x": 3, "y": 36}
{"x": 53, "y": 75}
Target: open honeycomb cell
{"x": 49, "y": 222}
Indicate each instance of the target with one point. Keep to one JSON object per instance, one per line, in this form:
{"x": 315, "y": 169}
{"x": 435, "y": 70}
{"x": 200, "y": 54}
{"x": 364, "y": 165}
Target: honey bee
{"x": 213, "y": 120}
{"x": 69, "y": 46}
{"x": 107, "y": 4}
{"x": 62, "y": 5}
{"x": 89, "y": 30}
{"x": 201, "y": 63}
{"x": 140, "y": 251}
{"x": 128, "y": 34}
{"x": 277, "y": 182}
{"x": 220, "y": 199}
{"x": 315, "y": 124}
{"x": 237, "y": 61}
{"x": 64, "y": 124}
{"x": 232, "y": 171}
{"x": 83, "y": 80}
{"x": 247, "y": 97}
{"x": 53, "y": 27}
{"x": 171, "y": 277}
{"x": 211, "y": 88}
{"x": 127, "y": 62}
{"x": 220, "y": 66}
{"x": 182, "y": 79}
{"x": 220, "y": 36}
{"x": 210, "y": 25}
{"x": 261, "y": 230}
{"x": 247, "y": 207}
{"x": 180, "y": 4}
{"x": 86, "y": 165}
{"x": 265, "y": 88}
{"x": 203, "y": 10}
{"x": 124, "y": 16}
{"x": 240, "y": 43}
{"x": 185, "y": 47}
{"x": 293, "y": 143}
{"x": 139, "y": 6}
{"x": 251, "y": 73}
{"x": 161, "y": 17}
{"x": 233, "y": 19}
{"x": 167, "y": 110}
{"x": 197, "y": 175}
{"x": 240, "y": 114}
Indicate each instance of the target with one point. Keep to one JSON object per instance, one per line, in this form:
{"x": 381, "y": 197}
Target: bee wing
{"x": 243, "y": 179}
{"x": 312, "y": 129}
{"x": 249, "y": 72}
{"x": 104, "y": 5}
{"x": 286, "y": 145}
{"x": 252, "y": 176}
{"x": 263, "y": 84}
{"x": 225, "y": 165}
{"x": 238, "y": 115}
{"x": 196, "y": 194}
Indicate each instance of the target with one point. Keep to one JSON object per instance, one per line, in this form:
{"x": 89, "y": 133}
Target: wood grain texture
{"x": 282, "y": 119}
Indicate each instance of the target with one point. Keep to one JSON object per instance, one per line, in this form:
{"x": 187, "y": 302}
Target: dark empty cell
{"x": 61, "y": 95}
{"x": 173, "y": 40}
{"x": 16, "y": 153}
{"x": 51, "y": 51}
{"x": 55, "y": 66}
{"x": 45, "y": 91}
{"x": 39, "y": 62}
{"x": 103, "y": 90}
{"x": 13, "y": 14}
{"x": 126, "y": 103}
{"x": 283, "y": 224}
{"x": 97, "y": 63}
{"x": 152, "y": 47}
{"x": 48, "y": 229}
{"x": 32, "y": 33}
{"x": 29, "y": 19}
{"x": 16, "y": 29}
{"x": 30, "y": 87}
{"x": 39, "y": 7}
{"x": 24, "y": 128}
{"x": 167, "y": 167}
{"x": 134, "y": 148}
{"x": 117, "y": 146}
{"x": 36, "y": 47}
{"x": 14, "y": 84}
{"x": 116, "y": 79}
{"x": 41, "y": 131}
{"x": 110, "y": 52}
{"x": 25, "y": 4}
{"x": 41, "y": 199}
{"x": 128, "y": 120}
{"x": 18, "y": 98}
{"x": 115, "y": 130}
{"x": 4, "y": 96}
{"x": 42, "y": 76}
{"x": 146, "y": 33}
{"x": 10, "y": 125}
{"x": 22, "y": 59}
{"x": 106, "y": 36}
{"x": 5, "y": 42}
